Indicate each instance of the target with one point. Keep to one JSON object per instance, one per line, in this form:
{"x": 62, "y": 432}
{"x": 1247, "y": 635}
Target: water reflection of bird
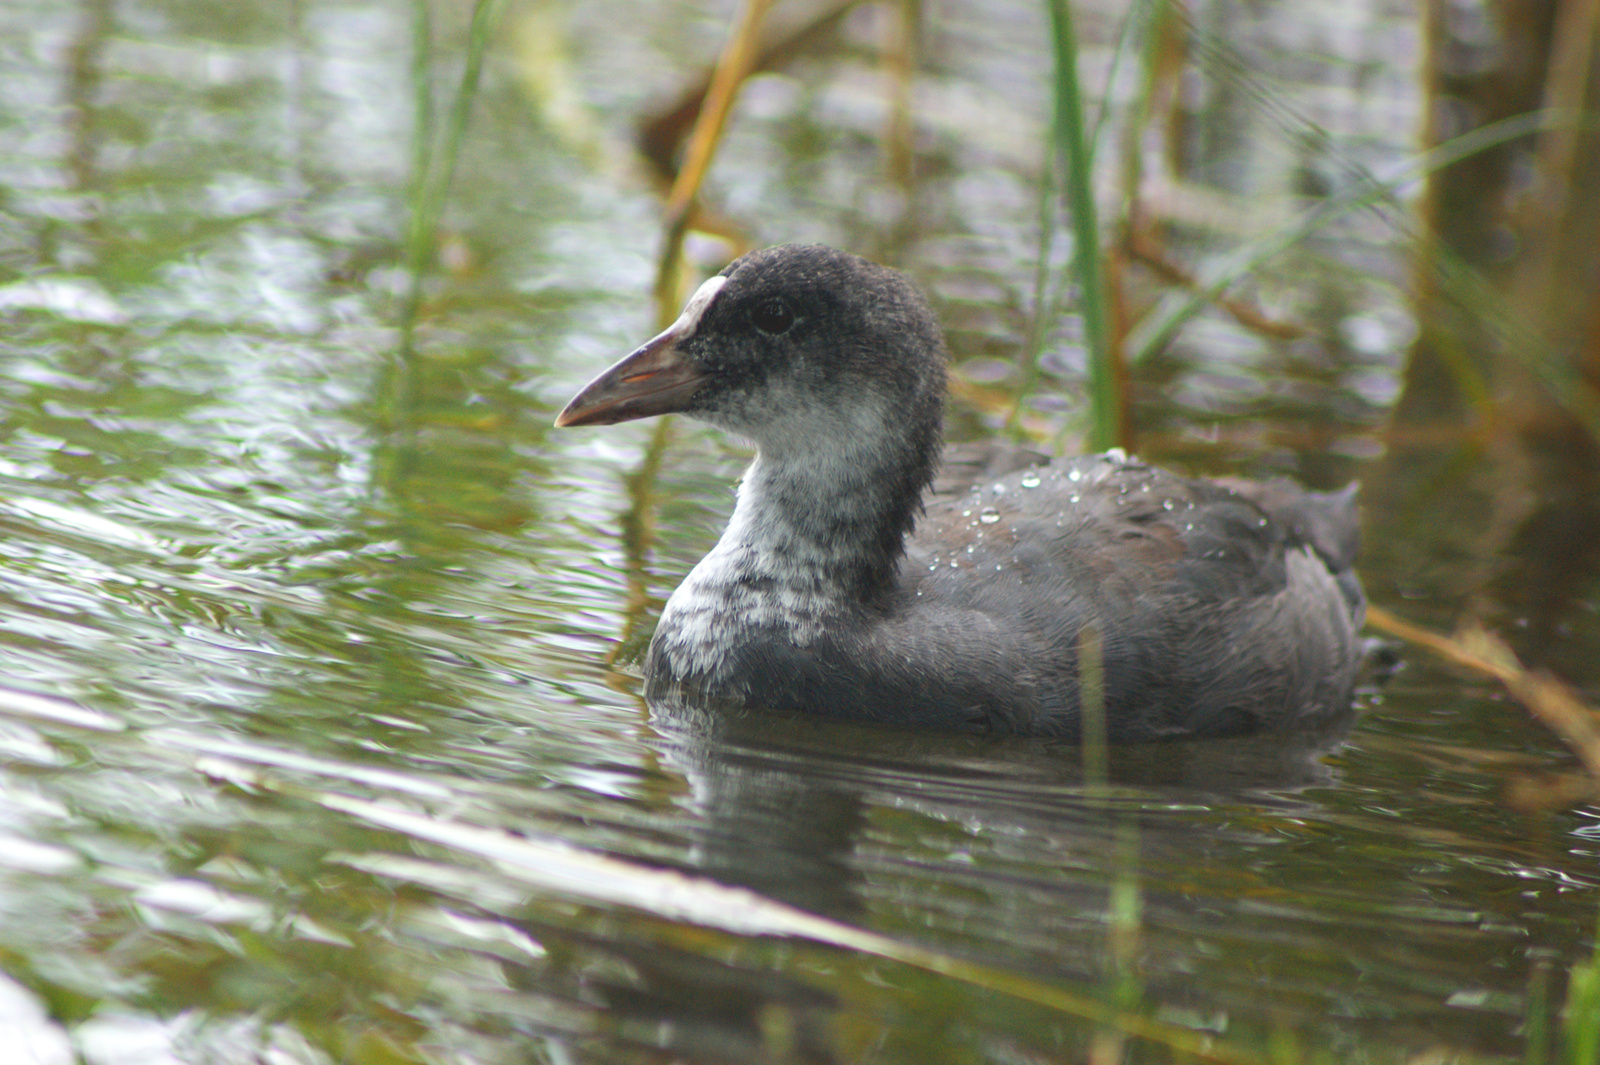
{"x": 1219, "y": 609}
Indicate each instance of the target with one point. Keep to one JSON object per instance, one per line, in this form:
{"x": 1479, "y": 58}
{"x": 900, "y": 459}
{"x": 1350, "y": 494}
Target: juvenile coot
{"x": 1220, "y": 609}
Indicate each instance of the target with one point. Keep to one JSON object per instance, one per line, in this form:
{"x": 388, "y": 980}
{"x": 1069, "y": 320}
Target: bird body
{"x": 836, "y": 590}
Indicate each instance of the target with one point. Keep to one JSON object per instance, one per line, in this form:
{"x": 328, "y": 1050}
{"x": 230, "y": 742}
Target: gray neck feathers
{"x": 816, "y": 533}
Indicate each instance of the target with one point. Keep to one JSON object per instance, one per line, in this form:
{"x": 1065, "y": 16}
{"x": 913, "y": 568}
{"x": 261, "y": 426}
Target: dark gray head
{"x": 833, "y": 366}
{"x": 786, "y": 346}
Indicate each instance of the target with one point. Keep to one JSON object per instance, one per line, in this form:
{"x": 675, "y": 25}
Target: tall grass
{"x": 1070, "y": 151}
{"x": 1580, "y": 1018}
{"x": 1067, "y": 185}
{"x": 433, "y": 160}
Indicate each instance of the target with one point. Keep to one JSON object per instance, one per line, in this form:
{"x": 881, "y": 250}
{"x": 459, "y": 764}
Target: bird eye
{"x": 772, "y": 316}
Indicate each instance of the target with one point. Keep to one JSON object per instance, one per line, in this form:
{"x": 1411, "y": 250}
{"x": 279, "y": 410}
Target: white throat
{"x": 782, "y": 562}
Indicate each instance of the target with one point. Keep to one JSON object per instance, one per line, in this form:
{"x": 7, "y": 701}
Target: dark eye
{"x": 772, "y": 316}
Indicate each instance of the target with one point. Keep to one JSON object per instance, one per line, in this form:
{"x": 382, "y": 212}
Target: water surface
{"x": 312, "y": 749}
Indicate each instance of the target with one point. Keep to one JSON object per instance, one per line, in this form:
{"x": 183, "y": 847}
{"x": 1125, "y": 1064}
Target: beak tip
{"x": 585, "y": 413}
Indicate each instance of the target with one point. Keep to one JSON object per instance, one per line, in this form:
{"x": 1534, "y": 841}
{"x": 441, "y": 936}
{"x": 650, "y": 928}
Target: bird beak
{"x": 655, "y": 379}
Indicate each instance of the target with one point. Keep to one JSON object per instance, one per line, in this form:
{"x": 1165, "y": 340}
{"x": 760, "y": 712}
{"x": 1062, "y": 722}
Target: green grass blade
{"x": 434, "y": 169}
{"x": 1580, "y": 1020}
{"x": 1132, "y": 36}
{"x": 1043, "y": 297}
{"x": 1071, "y": 145}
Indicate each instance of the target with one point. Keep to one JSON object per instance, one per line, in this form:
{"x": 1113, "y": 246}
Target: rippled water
{"x": 311, "y": 751}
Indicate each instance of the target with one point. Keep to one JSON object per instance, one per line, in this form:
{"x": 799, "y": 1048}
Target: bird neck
{"x": 807, "y": 542}
{"x": 830, "y": 521}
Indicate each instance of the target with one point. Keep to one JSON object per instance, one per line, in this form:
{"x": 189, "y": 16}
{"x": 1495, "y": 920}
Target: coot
{"x": 839, "y": 591}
